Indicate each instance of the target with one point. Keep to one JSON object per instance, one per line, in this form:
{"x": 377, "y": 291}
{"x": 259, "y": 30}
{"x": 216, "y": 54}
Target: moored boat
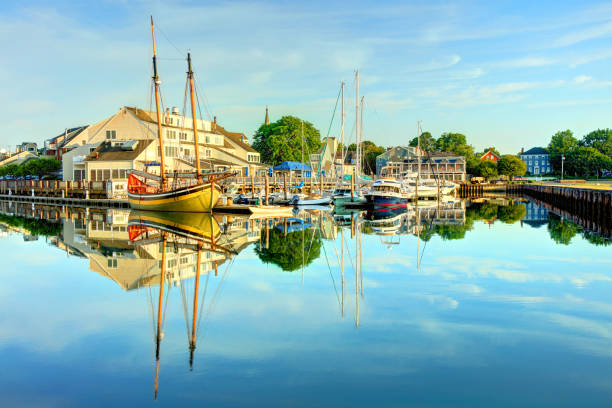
{"x": 386, "y": 194}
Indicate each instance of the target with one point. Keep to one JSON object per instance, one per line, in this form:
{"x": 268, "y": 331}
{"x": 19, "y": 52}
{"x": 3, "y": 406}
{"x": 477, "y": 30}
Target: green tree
{"x": 600, "y": 139}
{"x": 282, "y": 140}
{"x": 42, "y": 166}
{"x": 455, "y": 143}
{"x": 428, "y": 142}
{"x": 560, "y": 144}
{"x": 509, "y": 165}
{"x": 586, "y": 161}
{"x": 286, "y": 250}
{"x": 487, "y": 169}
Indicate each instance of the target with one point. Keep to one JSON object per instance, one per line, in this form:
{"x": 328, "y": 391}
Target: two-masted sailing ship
{"x": 186, "y": 192}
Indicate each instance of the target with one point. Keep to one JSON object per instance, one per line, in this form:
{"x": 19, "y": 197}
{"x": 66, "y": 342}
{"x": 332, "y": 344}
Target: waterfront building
{"x": 537, "y": 161}
{"x": 60, "y": 144}
{"x": 490, "y": 156}
{"x": 401, "y": 160}
{"x": 73, "y": 162}
{"x": 220, "y": 149}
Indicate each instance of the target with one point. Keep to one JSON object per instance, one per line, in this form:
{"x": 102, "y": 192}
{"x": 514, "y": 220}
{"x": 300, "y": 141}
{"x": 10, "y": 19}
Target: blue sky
{"x": 507, "y": 74}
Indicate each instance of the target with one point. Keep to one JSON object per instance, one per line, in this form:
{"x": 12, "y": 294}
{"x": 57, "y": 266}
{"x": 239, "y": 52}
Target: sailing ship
{"x": 187, "y": 192}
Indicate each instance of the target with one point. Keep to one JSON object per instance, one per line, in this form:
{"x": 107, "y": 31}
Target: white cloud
{"x": 580, "y": 79}
{"x": 584, "y": 34}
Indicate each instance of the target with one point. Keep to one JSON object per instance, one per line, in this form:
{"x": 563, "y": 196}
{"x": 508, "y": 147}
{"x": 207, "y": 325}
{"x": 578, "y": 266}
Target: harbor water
{"x": 492, "y": 302}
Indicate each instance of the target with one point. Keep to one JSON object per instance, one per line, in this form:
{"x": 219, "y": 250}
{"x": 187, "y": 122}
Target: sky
{"x": 505, "y": 74}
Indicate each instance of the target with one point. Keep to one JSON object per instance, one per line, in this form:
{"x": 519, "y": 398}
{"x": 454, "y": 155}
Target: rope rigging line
{"x": 168, "y": 39}
{"x": 205, "y": 102}
{"x": 331, "y": 122}
{"x": 331, "y": 275}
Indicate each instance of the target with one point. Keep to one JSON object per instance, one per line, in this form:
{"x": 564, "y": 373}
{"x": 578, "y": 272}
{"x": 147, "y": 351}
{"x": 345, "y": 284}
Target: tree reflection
{"x": 561, "y": 231}
{"x": 286, "y": 250}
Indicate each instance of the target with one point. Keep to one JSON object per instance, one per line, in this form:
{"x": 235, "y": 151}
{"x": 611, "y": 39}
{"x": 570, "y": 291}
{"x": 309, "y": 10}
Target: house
{"x": 73, "y": 162}
{"x": 28, "y": 147}
{"x": 401, "y": 160}
{"x": 325, "y": 159}
{"x": 490, "y": 156}
{"x": 535, "y": 215}
{"x": 219, "y": 149}
{"x": 18, "y": 158}
{"x": 537, "y": 161}
{"x": 114, "y": 160}
{"x": 60, "y": 144}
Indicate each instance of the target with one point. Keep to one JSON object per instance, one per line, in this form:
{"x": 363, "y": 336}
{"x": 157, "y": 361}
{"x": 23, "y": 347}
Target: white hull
{"x": 315, "y": 201}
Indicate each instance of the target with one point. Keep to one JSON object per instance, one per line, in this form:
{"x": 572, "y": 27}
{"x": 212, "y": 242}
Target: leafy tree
{"x": 509, "y": 165}
{"x": 561, "y": 144}
{"x": 455, "y": 143}
{"x": 600, "y": 139}
{"x": 487, "y": 169}
{"x": 586, "y": 161}
{"x": 40, "y": 167}
{"x": 286, "y": 250}
{"x": 561, "y": 231}
{"x": 282, "y": 140}
{"x": 428, "y": 142}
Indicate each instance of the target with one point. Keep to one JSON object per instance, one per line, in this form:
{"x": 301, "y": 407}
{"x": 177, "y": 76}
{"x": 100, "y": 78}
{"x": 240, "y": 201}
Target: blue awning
{"x": 291, "y": 165}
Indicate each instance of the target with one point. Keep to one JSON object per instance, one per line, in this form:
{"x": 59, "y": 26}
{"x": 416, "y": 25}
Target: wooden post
{"x": 285, "y": 184}
{"x": 252, "y": 185}
{"x": 321, "y": 184}
{"x": 266, "y": 199}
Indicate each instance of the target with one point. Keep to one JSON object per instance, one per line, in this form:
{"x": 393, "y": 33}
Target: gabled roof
{"x": 291, "y": 165}
{"x": 536, "y": 150}
{"x": 69, "y": 134}
{"x": 109, "y": 152}
{"x": 490, "y": 151}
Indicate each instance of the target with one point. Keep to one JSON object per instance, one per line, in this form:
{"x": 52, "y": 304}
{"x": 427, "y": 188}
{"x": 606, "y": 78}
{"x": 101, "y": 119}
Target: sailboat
{"x": 187, "y": 192}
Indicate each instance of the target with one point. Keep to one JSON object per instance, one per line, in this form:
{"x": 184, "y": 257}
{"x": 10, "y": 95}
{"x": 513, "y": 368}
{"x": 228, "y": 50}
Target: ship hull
{"x": 198, "y": 198}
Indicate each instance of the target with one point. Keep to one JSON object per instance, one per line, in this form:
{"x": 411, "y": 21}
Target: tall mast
{"x": 357, "y": 125}
{"x": 361, "y": 128}
{"x": 342, "y": 133}
{"x": 193, "y": 114}
{"x": 156, "y": 81}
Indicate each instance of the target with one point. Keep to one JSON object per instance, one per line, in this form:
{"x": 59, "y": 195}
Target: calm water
{"x": 484, "y": 304}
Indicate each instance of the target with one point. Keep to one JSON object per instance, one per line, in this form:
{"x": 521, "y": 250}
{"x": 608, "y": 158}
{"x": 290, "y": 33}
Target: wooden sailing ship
{"x": 187, "y": 192}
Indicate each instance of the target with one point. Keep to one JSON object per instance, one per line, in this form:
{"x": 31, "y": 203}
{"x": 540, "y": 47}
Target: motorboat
{"x": 386, "y": 193}
{"x": 343, "y": 195}
{"x": 311, "y": 200}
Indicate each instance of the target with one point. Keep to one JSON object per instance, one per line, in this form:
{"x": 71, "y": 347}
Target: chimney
{"x": 522, "y": 150}
{"x": 175, "y": 110}
{"x": 215, "y": 125}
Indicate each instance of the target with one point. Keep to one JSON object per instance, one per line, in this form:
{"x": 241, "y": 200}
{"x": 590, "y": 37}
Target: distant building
{"x": 537, "y": 161}
{"x": 18, "y": 158}
{"x": 401, "y": 160}
{"x": 73, "y": 162}
{"x": 490, "y": 156}
{"x": 28, "y": 147}
{"x": 324, "y": 160}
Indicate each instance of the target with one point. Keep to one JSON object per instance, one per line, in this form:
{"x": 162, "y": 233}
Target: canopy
{"x": 291, "y": 165}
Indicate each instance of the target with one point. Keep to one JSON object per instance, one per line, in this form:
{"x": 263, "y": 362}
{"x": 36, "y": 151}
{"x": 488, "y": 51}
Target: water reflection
{"x": 344, "y": 253}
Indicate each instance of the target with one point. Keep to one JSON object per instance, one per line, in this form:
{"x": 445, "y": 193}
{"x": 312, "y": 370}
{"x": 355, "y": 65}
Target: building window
{"x": 123, "y": 173}
{"x": 207, "y": 152}
{"x": 218, "y": 140}
{"x": 182, "y": 136}
{"x": 111, "y": 263}
{"x": 111, "y": 134}
{"x": 107, "y": 174}
{"x": 207, "y": 139}
{"x": 171, "y": 134}
{"x": 171, "y": 151}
